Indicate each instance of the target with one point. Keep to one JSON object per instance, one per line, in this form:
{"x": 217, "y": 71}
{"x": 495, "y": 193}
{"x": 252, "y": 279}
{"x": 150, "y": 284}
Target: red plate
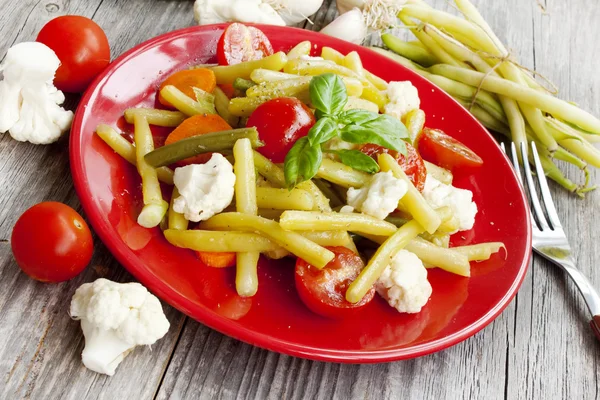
{"x": 275, "y": 318}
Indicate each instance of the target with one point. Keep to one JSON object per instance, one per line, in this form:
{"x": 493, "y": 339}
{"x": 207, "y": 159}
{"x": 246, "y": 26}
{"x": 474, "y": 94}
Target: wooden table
{"x": 540, "y": 347}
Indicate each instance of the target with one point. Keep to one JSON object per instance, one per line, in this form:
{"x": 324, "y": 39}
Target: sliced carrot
{"x": 194, "y": 126}
{"x": 188, "y": 79}
{"x": 228, "y": 89}
{"x": 217, "y": 260}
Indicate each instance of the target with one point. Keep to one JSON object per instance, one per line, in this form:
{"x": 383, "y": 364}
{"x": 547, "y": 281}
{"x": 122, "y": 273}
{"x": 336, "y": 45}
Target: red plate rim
{"x": 121, "y": 252}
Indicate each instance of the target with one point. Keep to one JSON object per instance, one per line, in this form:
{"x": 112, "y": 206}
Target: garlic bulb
{"x": 295, "y": 11}
{"x": 349, "y": 26}
{"x": 344, "y": 6}
{"x": 251, "y": 11}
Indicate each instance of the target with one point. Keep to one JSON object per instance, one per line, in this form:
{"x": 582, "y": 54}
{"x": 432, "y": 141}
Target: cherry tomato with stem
{"x": 82, "y": 48}
{"x": 412, "y": 164}
{"x": 51, "y": 242}
{"x": 324, "y": 291}
{"x": 280, "y": 122}
{"x": 443, "y": 150}
{"x": 240, "y": 43}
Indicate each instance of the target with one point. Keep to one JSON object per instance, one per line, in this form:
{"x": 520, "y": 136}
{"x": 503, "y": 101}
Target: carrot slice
{"x": 194, "y": 126}
{"x": 216, "y": 259}
{"x": 228, "y": 89}
{"x": 187, "y": 79}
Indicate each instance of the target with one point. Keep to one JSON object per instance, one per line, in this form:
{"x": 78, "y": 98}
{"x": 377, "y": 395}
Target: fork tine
{"x": 546, "y": 195}
{"x": 515, "y": 161}
{"x": 535, "y": 201}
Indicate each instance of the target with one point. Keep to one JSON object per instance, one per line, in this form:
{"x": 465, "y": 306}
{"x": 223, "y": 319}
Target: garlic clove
{"x": 344, "y": 6}
{"x": 349, "y": 26}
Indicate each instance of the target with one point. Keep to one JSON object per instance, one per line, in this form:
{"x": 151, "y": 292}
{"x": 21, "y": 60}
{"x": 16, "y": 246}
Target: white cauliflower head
{"x": 116, "y": 317}
{"x": 29, "y": 102}
{"x": 404, "y": 283}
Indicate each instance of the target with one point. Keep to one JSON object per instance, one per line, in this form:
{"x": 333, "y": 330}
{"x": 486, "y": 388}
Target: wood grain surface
{"x": 539, "y": 348}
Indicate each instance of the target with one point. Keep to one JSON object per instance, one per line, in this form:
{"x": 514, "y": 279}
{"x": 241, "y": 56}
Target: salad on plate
{"x": 276, "y": 154}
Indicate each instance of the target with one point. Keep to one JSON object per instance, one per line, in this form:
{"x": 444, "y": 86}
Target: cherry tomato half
{"x": 280, "y": 122}
{"x": 412, "y": 164}
{"x": 324, "y": 291}
{"x": 438, "y": 148}
{"x": 51, "y": 242}
{"x": 82, "y": 48}
{"x": 240, "y": 43}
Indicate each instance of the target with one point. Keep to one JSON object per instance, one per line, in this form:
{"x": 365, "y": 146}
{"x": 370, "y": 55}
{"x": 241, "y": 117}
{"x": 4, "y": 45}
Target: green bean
{"x": 438, "y": 51}
{"x": 242, "y": 84}
{"x": 157, "y": 117}
{"x": 222, "y": 107}
{"x": 411, "y": 51}
{"x": 557, "y": 107}
{"x": 341, "y": 174}
{"x": 227, "y": 73}
{"x": 209, "y": 142}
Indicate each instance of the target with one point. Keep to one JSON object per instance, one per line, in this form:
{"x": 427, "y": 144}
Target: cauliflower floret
{"x": 204, "y": 189}
{"x": 29, "y": 102}
{"x": 403, "y": 98}
{"x": 404, "y": 283}
{"x": 115, "y": 318}
{"x": 252, "y": 11}
{"x": 379, "y": 197}
{"x": 460, "y": 201}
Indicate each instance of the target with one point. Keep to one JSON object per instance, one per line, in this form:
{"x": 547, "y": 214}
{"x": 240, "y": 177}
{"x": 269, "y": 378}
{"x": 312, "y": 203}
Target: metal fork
{"x": 549, "y": 239}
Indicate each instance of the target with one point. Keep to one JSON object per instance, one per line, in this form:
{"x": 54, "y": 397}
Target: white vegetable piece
{"x": 379, "y": 197}
{"x": 403, "y": 284}
{"x": 205, "y": 189}
{"x": 350, "y": 26}
{"x": 344, "y": 6}
{"x": 29, "y": 102}
{"x": 403, "y": 97}
{"x": 460, "y": 201}
{"x": 115, "y": 318}
{"x": 295, "y": 11}
{"x": 251, "y": 11}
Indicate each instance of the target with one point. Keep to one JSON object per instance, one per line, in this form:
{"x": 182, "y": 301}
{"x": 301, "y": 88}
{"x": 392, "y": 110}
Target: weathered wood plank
{"x": 40, "y": 345}
{"x": 555, "y": 353}
{"x": 539, "y": 347}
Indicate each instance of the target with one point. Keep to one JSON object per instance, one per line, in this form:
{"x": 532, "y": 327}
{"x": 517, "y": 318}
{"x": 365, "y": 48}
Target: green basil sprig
{"x": 357, "y": 160}
{"x": 328, "y": 96}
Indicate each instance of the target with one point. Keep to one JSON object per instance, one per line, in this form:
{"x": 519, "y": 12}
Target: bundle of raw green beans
{"x": 465, "y": 58}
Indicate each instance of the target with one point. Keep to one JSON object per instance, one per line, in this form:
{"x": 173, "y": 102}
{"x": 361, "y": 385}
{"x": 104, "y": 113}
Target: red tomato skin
{"x": 280, "y": 122}
{"x": 82, "y": 48}
{"x": 443, "y": 150}
{"x": 323, "y": 291}
{"x": 51, "y": 242}
{"x": 240, "y": 43}
{"x": 412, "y": 164}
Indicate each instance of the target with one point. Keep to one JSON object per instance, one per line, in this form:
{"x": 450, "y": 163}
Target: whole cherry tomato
{"x": 443, "y": 150}
{"x": 82, "y": 48}
{"x": 280, "y": 122}
{"x": 51, "y": 242}
{"x": 412, "y": 164}
{"x": 324, "y": 290}
{"x": 240, "y": 43}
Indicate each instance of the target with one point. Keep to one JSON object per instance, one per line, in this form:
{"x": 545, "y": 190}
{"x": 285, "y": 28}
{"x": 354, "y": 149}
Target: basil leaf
{"x": 385, "y": 131}
{"x": 356, "y": 116}
{"x": 302, "y": 162}
{"x": 322, "y": 131}
{"x": 357, "y": 160}
{"x": 328, "y": 93}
